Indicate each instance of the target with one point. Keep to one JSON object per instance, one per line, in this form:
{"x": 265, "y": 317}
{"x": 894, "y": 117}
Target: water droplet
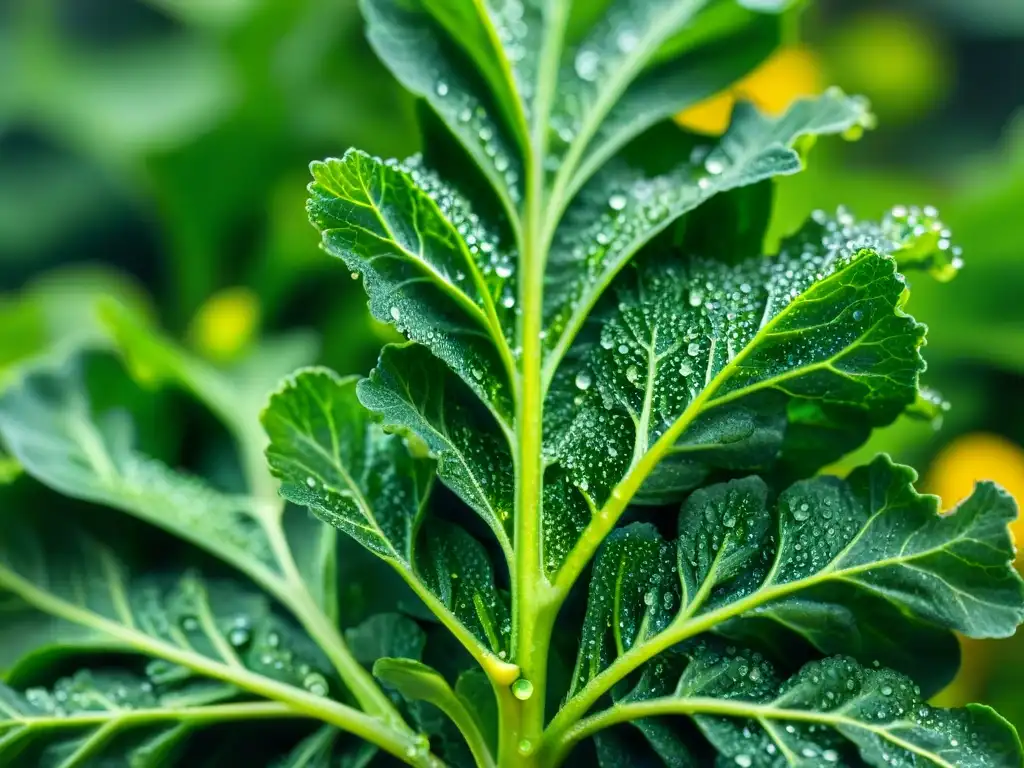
{"x": 714, "y": 166}
{"x": 522, "y": 689}
{"x": 442, "y": 88}
{"x": 586, "y": 65}
{"x": 743, "y": 761}
{"x": 525, "y": 746}
{"x": 617, "y": 202}
{"x": 583, "y": 380}
{"x": 626, "y": 40}
{"x": 632, "y": 374}
{"x": 315, "y": 683}
{"x": 311, "y": 481}
{"x": 693, "y": 349}
{"x": 396, "y": 313}
{"x": 858, "y": 315}
{"x": 801, "y": 513}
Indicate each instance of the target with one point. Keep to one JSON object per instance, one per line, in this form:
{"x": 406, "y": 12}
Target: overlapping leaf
{"x": 408, "y": 40}
{"x": 333, "y": 459}
{"x": 625, "y": 206}
{"x": 209, "y": 642}
{"x": 430, "y": 267}
{"x": 832, "y": 712}
{"x": 412, "y": 390}
{"x": 737, "y": 556}
{"x": 49, "y": 422}
{"x": 703, "y": 366}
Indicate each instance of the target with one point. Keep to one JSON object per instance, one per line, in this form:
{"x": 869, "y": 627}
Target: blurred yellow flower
{"x": 972, "y": 458}
{"x": 226, "y": 323}
{"x": 790, "y": 73}
{"x": 952, "y": 476}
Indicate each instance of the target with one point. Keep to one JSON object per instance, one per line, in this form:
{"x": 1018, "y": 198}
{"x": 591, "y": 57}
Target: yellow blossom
{"x": 790, "y": 73}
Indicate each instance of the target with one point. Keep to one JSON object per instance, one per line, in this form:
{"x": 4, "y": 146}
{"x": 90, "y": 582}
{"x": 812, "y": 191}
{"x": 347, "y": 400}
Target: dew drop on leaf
{"x": 522, "y": 689}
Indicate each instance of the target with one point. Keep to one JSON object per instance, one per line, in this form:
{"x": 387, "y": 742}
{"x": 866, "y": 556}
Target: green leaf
{"x": 477, "y": 694}
{"x": 51, "y": 425}
{"x": 831, "y": 712}
{"x": 671, "y": 87}
{"x": 737, "y": 557}
{"x": 415, "y": 392}
{"x": 332, "y": 458}
{"x": 386, "y": 634}
{"x": 458, "y": 571}
{"x": 207, "y": 641}
{"x": 418, "y": 682}
{"x": 112, "y": 716}
{"x": 624, "y": 207}
{"x": 700, "y": 366}
{"x": 504, "y": 43}
{"x": 428, "y": 264}
{"x": 406, "y": 37}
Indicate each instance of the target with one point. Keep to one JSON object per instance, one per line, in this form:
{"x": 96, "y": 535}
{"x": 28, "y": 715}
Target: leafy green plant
{"x": 603, "y": 374}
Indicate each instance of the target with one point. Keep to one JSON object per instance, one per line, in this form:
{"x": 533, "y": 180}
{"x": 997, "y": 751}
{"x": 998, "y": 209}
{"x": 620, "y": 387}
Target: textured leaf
{"x": 428, "y": 264}
{"x": 504, "y": 40}
{"x": 613, "y": 53}
{"x": 456, "y": 568}
{"x": 418, "y": 52}
{"x": 832, "y": 712}
{"x": 332, "y": 458}
{"x": 415, "y": 392}
{"x": 208, "y": 641}
{"x": 50, "y": 424}
{"x": 789, "y": 360}
{"x": 418, "y": 682}
{"x": 671, "y": 87}
{"x": 108, "y": 715}
{"x": 736, "y": 557}
{"x": 624, "y": 207}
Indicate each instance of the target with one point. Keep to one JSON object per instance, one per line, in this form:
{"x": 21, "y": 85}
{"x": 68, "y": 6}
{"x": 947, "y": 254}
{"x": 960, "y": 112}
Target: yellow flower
{"x": 952, "y": 476}
{"x": 787, "y": 75}
{"x": 226, "y": 323}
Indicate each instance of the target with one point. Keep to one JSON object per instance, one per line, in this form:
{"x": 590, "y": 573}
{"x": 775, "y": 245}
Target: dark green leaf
{"x": 331, "y": 458}
{"x": 785, "y": 361}
{"x": 415, "y": 392}
{"x": 428, "y": 264}
{"x": 798, "y": 563}
{"x": 623, "y": 208}
{"x": 408, "y": 40}
{"x": 832, "y": 712}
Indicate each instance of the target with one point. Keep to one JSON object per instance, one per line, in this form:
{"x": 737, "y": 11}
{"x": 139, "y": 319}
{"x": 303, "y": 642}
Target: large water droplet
{"x": 586, "y": 65}
{"x": 583, "y": 380}
{"x": 522, "y": 689}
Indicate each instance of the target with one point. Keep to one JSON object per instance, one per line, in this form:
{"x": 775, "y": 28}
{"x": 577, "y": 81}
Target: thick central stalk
{"x": 531, "y": 589}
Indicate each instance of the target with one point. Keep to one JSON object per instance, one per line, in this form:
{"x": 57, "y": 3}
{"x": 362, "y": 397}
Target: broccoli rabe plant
{"x": 595, "y": 466}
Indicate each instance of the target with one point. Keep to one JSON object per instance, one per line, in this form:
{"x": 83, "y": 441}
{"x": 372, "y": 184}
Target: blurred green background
{"x": 153, "y": 157}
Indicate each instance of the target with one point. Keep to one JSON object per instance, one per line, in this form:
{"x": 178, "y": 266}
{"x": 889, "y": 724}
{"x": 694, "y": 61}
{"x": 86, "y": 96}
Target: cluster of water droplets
{"x": 818, "y": 519}
{"x": 478, "y": 129}
{"x": 634, "y": 595}
{"x": 519, "y": 27}
{"x": 463, "y": 579}
{"x": 86, "y": 691}
{"x": 497, "y": 265}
